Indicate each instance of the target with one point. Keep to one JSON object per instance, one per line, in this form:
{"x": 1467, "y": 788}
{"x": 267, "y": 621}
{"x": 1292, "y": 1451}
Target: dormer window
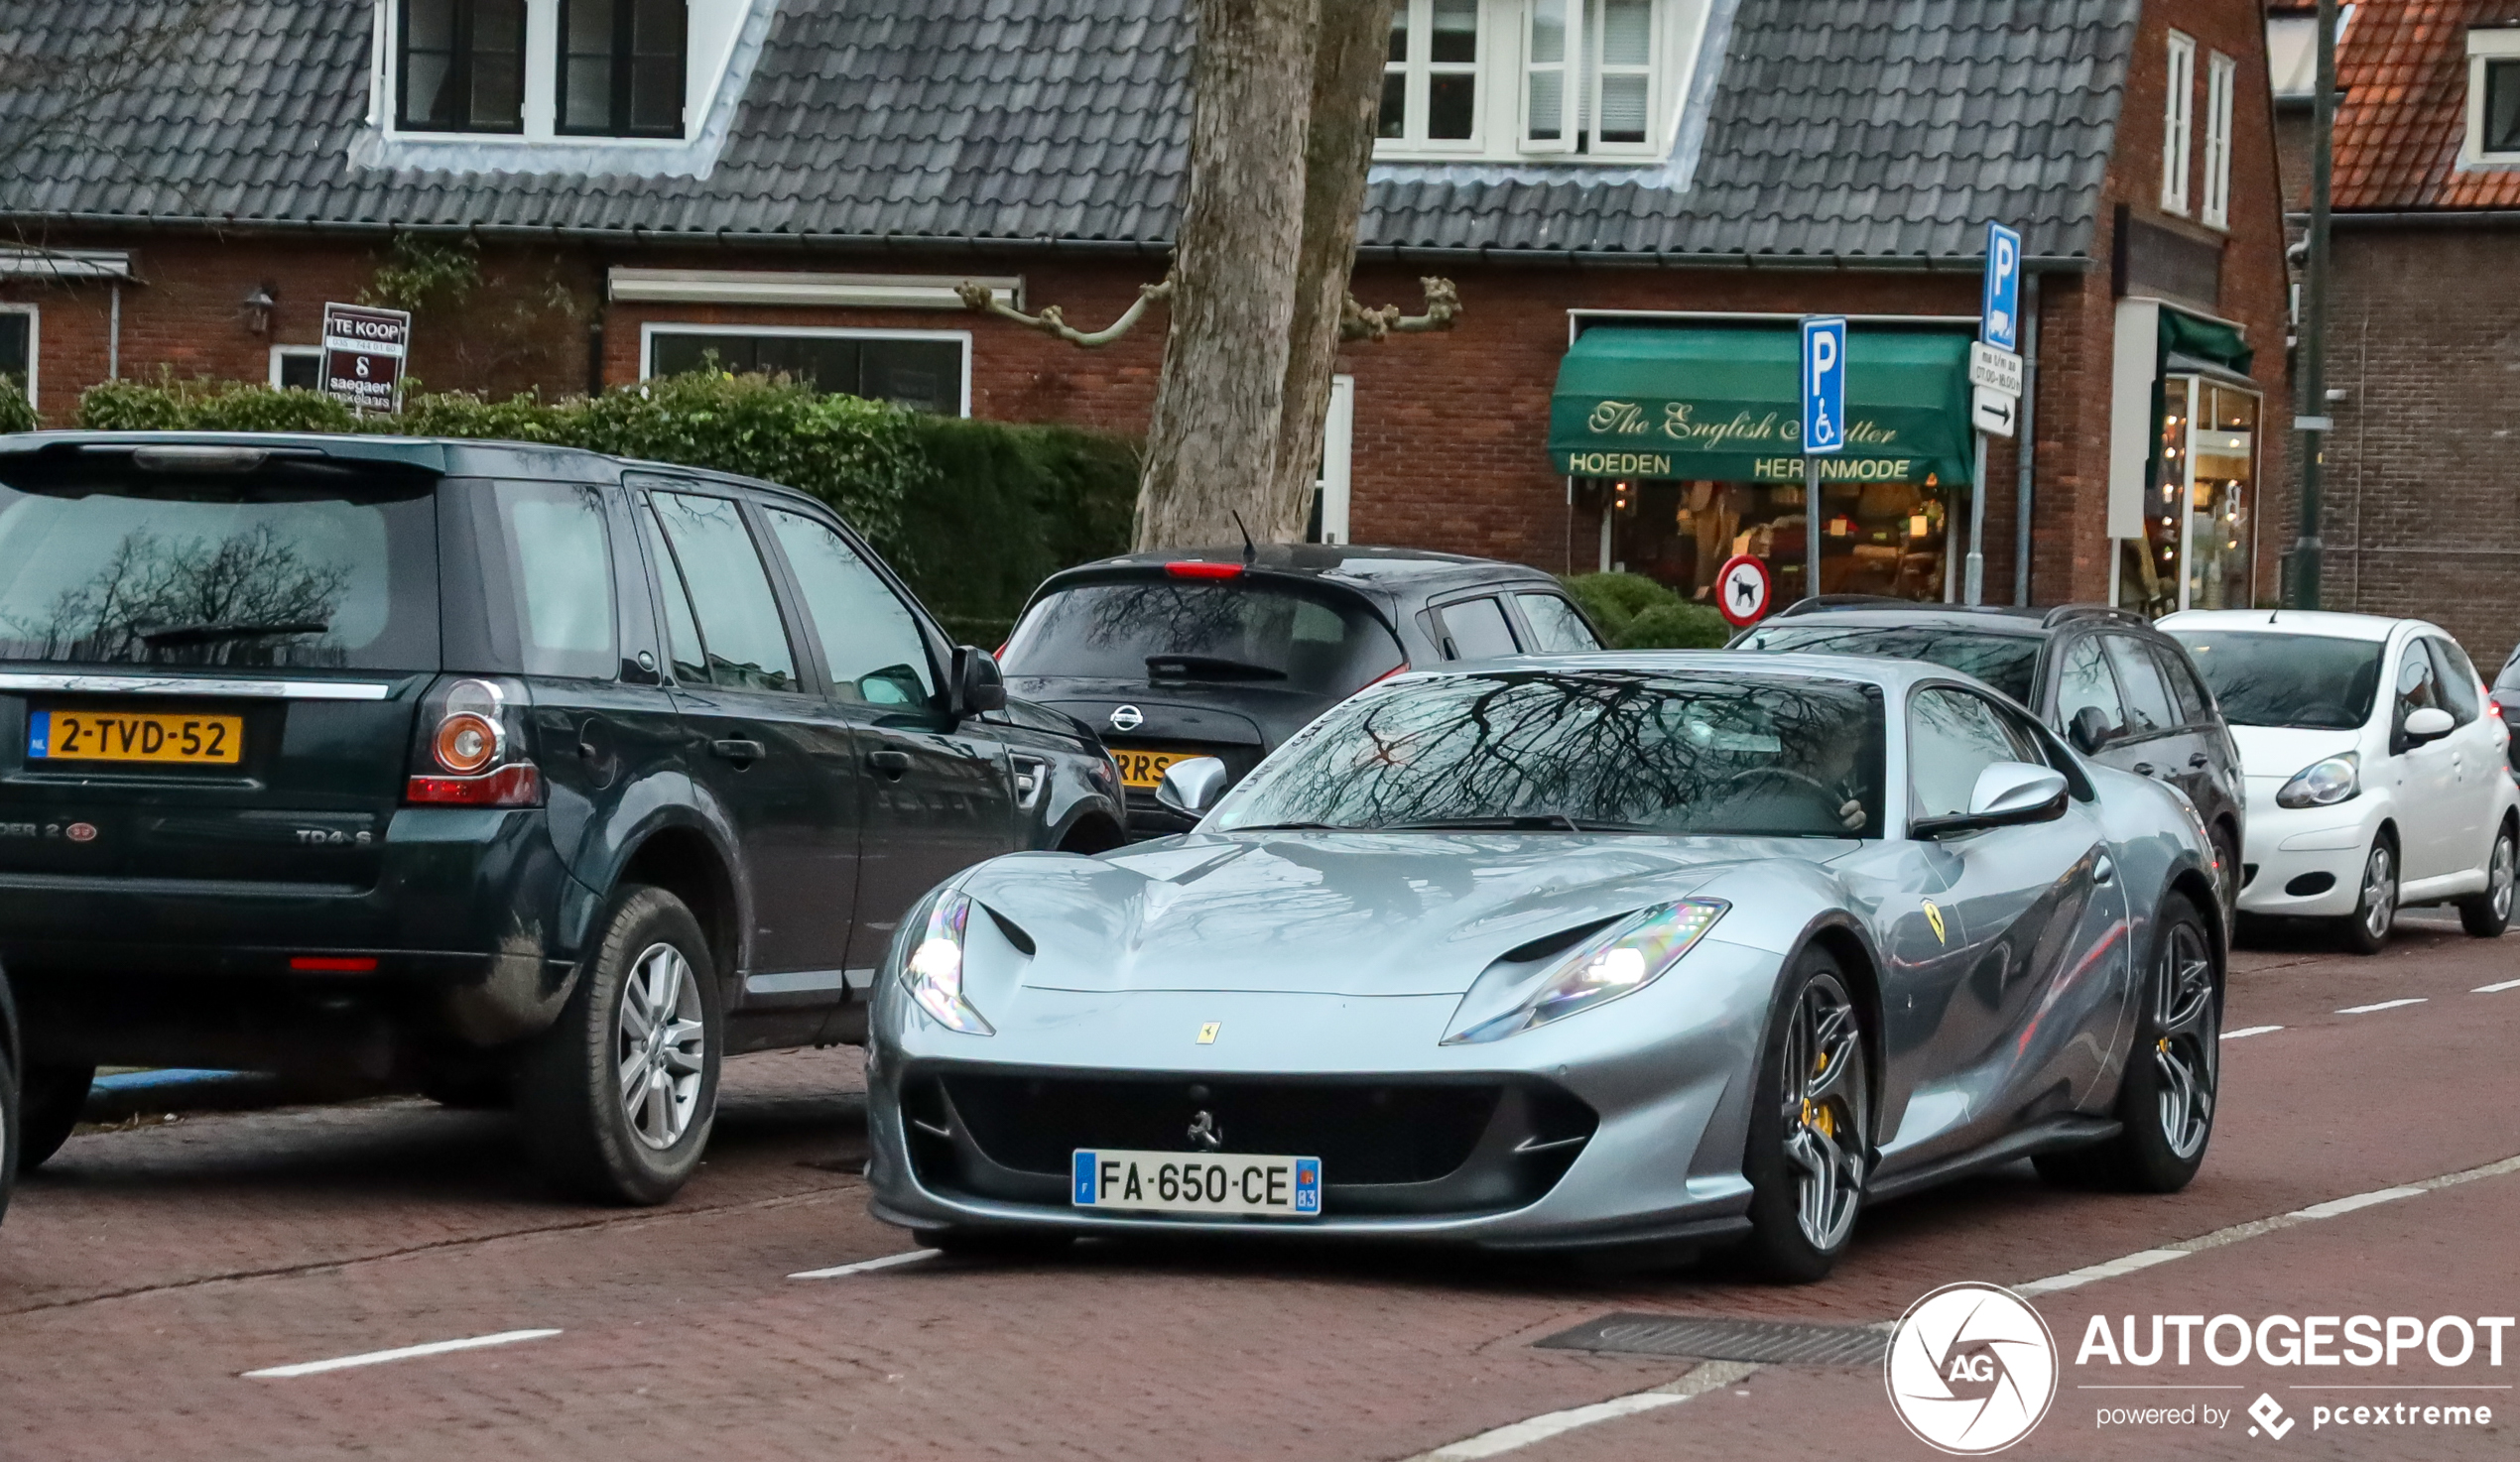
{"x": 622, "y": 67}
{"x": 2493, "y": 95}
{"x": 462, "y": 65}
{"x": 1569, "y": 80}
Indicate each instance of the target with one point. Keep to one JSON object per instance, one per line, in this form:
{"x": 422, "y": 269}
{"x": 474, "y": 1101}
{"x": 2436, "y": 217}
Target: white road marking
{"x": 863, "y": 1266}
{"x": 2250, "y": 1031}
{"x": 2490, "y": 989}
{"x": 1714, "y": 1374}
{"x": 2141, "y": 1258}
{"x": 2364, "y": 1010}
{"x": 407, "y": 1352}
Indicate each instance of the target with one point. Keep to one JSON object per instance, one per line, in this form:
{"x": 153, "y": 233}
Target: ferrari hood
{"x": 1341, "y": 914}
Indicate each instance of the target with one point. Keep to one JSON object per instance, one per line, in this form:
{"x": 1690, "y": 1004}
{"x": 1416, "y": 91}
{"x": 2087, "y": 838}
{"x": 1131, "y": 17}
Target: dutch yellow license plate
{"x": 1144, "y": 769}
{"x": 134, "y": 736}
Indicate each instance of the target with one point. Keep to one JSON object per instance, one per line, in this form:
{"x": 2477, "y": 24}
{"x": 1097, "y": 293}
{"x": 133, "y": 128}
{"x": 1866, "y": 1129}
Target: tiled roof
{"x": 1884, "y": 129}
{"x": 2403, "y": 67}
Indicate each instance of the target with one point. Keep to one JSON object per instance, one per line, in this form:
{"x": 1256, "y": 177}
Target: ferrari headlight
{"x": 933, "y": 969}
{"x": 1621, "y": 959}
{"x": 2323, "y": 784}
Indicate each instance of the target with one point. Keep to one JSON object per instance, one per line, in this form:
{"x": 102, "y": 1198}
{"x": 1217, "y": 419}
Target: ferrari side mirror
{"x": 1193, "y": 786}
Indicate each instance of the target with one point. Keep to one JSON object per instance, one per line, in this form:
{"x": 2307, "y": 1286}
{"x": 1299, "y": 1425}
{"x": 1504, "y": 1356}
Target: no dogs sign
{"x": 1744, "y": 590}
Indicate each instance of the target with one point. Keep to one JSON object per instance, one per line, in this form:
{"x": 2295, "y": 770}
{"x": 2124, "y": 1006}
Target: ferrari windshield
{"x": 1624, "y": 751}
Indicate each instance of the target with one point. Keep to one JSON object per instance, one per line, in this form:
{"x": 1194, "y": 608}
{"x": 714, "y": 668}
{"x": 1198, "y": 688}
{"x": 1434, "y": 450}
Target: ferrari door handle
{"x": 741, "y": 753}
{"x": 890, "y": 762}
{"x": 2104, "y": 871}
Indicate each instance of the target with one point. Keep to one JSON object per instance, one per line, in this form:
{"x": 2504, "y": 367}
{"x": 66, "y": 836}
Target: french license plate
{"x": 1145, "y": 769}
{"x": 1223, "y": 1184}
{"x": 133, "y": 736}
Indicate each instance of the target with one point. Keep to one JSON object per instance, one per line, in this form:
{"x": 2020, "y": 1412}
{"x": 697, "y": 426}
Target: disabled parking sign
{"x": 1823, "y": 384}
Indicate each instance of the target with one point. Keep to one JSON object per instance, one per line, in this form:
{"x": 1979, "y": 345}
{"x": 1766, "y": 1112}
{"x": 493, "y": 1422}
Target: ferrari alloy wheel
{"x": 1810, "y": 1133}
{"x": 2488, "y": 914}
{"x": 618, "y": 1096}
{"x": 2166, "y": 1100}
{"x": 2376, "y": 912}
{"x": 2187, "y": 1041}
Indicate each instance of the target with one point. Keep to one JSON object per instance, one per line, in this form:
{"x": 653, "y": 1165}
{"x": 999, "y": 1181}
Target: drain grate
{"x": 1768, "y": 1342}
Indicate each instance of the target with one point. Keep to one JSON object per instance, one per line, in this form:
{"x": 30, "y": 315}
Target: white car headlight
{"x": 931, "y": 971}
{"x": 1621, "y": 959}
{"x": 2323, "y": 784}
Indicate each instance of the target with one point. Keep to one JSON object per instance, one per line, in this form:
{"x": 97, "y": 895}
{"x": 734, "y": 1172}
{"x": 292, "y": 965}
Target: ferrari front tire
{"x": 1811, "y": 1127}
{"x": 2165, "y": 1101}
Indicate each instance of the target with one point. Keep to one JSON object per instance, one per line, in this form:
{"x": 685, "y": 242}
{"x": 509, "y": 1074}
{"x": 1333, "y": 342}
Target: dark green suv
{"x": 515, "y": 772}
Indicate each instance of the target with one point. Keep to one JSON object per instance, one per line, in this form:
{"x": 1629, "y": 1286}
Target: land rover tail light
{"x": 472, "y": 753}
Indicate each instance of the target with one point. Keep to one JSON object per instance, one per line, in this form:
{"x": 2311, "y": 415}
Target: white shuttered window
{"x": 2220, "y": 73}
{"x": 2177, "y": 121}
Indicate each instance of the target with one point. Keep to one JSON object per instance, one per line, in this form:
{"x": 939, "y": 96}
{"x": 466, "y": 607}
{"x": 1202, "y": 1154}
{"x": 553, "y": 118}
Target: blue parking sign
{"x": 1999, "y": 323}
{"x": 1823, "y": 383}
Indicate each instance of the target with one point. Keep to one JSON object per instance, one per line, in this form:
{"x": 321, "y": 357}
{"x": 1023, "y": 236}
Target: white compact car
{"x": 2376, "y": 767}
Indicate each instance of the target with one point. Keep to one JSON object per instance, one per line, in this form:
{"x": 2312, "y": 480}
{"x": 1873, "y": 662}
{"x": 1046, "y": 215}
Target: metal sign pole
{"x": 1812, "y": 526}
{"x": 1976, "y": 587}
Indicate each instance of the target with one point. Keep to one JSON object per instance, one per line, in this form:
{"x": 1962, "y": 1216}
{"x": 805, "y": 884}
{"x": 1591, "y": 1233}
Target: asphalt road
{"x": 146, "y": 1270}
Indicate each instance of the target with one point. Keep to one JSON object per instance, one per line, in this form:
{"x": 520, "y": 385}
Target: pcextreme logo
{"x": 1972, "y": 1368}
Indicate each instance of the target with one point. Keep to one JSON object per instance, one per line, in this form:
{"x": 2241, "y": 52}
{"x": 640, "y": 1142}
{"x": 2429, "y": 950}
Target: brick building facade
{"x": 1757, "y": 185}
{"x": 2421, "y": 502}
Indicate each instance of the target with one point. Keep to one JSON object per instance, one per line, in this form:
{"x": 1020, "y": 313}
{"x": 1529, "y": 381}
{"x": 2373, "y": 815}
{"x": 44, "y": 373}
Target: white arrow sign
{"x": 1996, "y": 370}
{"x": 1994, "y": 412}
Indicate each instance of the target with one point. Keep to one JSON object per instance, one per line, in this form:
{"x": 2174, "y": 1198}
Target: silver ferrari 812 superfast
{"x": 1690, "y": 949}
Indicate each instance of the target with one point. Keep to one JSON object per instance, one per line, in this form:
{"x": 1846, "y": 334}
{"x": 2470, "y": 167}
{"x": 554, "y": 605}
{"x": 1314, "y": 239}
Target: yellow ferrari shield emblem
{"x": 1207, "y": 1033}
{"x": 1933, "y": 917}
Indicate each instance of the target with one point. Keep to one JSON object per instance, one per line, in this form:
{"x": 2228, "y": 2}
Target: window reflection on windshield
{"x": 1238, "y": 631}
{"x": 2008, "y": 663}
{"x": 2283, "y": 679}
{"x": 1624, "y": 751}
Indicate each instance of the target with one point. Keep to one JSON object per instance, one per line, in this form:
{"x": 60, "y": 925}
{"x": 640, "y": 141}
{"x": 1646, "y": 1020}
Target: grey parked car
{"x": 1866, "y": 928}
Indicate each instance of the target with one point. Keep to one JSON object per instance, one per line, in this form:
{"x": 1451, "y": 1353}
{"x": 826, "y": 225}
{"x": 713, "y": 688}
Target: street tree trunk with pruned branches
{"x": 1285, "y": 97}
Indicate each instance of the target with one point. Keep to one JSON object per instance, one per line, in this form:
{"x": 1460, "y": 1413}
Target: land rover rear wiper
{"x": 204, "y": 634}
{"x": 1207, "y": 668}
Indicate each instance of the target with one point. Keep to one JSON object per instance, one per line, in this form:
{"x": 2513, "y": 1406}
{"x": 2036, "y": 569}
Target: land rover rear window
{"x": 286, "y": 565}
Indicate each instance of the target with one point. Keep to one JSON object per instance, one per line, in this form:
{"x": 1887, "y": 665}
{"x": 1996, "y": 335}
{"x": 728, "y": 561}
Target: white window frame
{"x": 2484, "y": 46}
{"x": 1419, "y": 69}
{"x": 2221, "y": 75}
{"x": 2177, "y": 120}
{"x": 1338, "y": 451}
{"x": 280, "y": 353}
{"x": 1569, "y": 68}
{"x": 1595, "y": 34}
{"x": 33, "y": 343}
{"x": 650, "y": 330}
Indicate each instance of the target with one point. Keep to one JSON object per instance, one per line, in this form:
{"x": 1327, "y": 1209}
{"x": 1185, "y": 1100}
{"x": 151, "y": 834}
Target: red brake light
{"x": 1401, "y": 668}
{"x": 2493, "y": 708}
{"x": 330, "y": 964}
{"x": 1202, "y": 568}
{"x": 516, "y": 784}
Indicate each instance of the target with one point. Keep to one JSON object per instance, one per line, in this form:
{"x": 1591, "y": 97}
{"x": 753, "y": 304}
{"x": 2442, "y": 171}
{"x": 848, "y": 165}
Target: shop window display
{"x": 1876, "y": 537}
{"x": 2196, "y": 552}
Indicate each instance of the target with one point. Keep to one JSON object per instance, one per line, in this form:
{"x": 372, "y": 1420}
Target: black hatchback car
{"x": 2125, "y": 693}
{"x": 1226, "y": 652}
{"x": 514, "y": 772}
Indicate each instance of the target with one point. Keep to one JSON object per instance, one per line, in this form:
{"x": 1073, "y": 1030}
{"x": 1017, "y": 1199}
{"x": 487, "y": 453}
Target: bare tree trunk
{"x": 1213, "y": 442}
{"x": 1348, "y": 69}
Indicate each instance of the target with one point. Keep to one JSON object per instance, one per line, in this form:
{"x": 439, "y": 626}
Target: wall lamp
{"x": 257, "y": 307}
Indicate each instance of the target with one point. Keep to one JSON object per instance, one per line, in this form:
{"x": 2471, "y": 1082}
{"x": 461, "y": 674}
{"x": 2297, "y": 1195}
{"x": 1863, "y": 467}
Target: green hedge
{"x": 16, "y": 414}
{"x": 1640, "y": 614}
{"x": 973, "y": 514}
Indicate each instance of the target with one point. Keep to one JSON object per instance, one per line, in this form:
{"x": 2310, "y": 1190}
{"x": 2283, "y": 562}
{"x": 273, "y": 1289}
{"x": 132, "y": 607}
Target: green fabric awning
{"x": 1720, "y": 403}
{"x": 2182, "y": 333}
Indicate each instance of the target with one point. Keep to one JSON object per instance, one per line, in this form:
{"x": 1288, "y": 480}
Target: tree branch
{"x": 981, "y": 299}
{"x": 1444, "y": 307}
